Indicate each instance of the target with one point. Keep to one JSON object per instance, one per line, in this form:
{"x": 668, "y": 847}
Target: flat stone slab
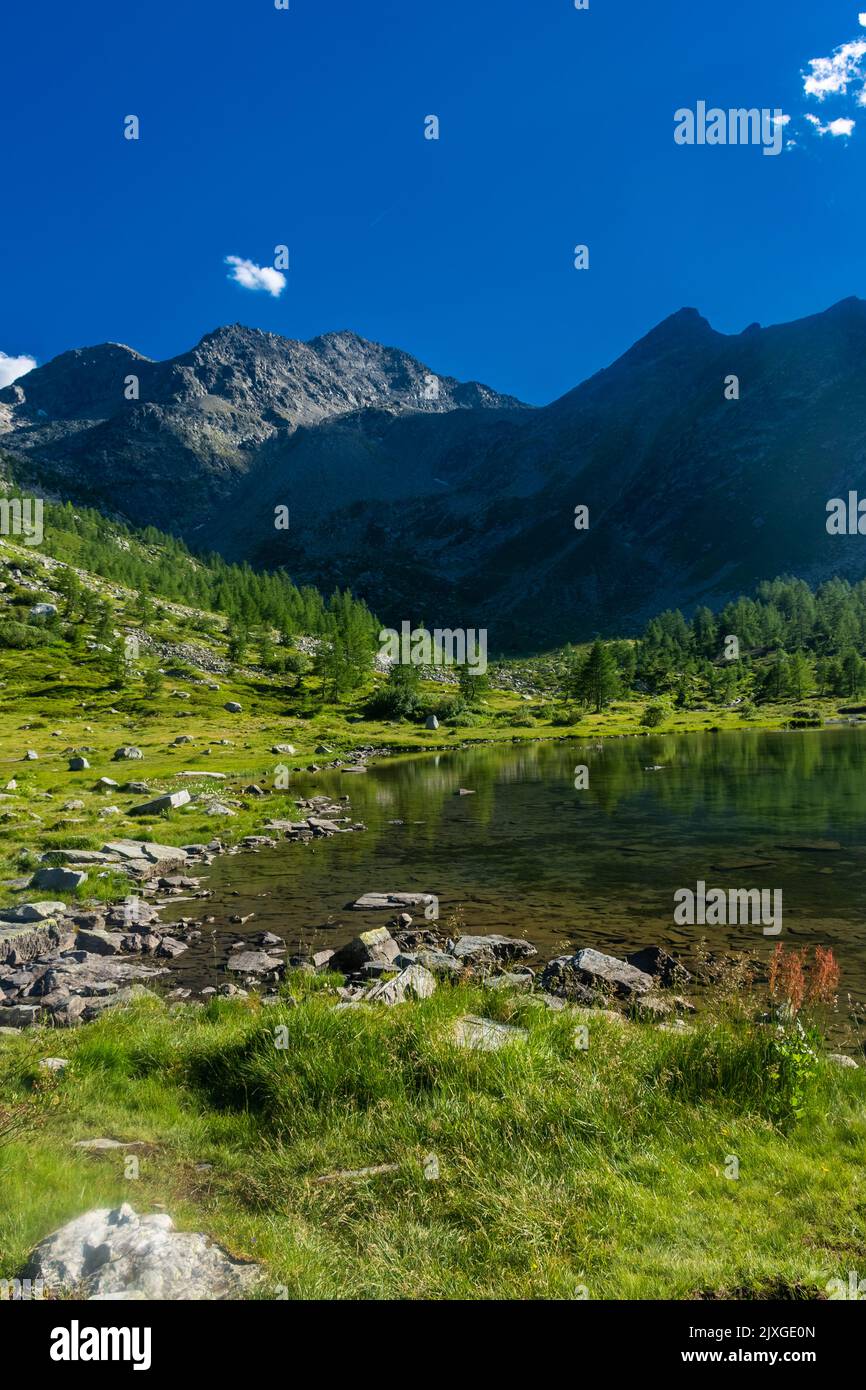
{"x": 169, "y": 802}
{"x": 107, "y": 1254}
{"x": 384, "y": 902}
{"x": 59, "y": 878}
{"x": 42, "y": 911}
{"x": 150, "y": 850}
{"x": 252, "y": 963}
{"x": 483, "y": 1035}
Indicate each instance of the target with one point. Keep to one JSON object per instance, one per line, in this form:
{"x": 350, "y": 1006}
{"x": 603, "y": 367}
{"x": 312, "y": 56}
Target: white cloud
{"x": 862, "y": 19}
{"x": 256, "y": 277}
{"x": 11, "y": 368}
{"x": 841, "y": 126}
{"x": 832, "y": 76}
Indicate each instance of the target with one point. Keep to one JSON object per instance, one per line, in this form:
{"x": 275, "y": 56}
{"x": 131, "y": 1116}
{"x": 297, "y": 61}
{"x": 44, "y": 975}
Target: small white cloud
{"x": 862, "y": 19}
{"x": 256, "y": 277}
{"x": 841, "y": 126}
{"x": 11, "y": 368}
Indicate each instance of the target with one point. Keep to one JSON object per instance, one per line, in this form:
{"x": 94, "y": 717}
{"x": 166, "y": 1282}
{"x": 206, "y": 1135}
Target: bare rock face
{"x": 107, "y": 1254}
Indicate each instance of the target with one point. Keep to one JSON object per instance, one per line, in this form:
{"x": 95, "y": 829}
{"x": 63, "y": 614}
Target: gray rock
{"x": 840, "y": 1060}
{"x": 483, "y": 1035}
{"x": 439, "y": 962}
{"x": 78, "y": 764}
{"x": 19, "y": 1015}
{"x": 252, "y": 963}
{"x": 596, "y": 969}
{"x": 431, "y": 722}
{"x": 32, "y": 912}
{"x": 126, "y": 754}
{"x": 487, "y": 950}
{"x": 380, "y": 902}
{"x": 67, "y": 879}
{"x": 56, "y": 1064}
{"x": 169, "y": 802}
{"x": 664, "y": 967}
{"x": 522, "y": 984}
{"x": 284, "y": 748}
{"x": 107, "y": 1254}
{"x": 413, "y": 982}
{"x": 560, "y": 979}
{"x": 233, "y": 707}
{"x": 98, "y": 943}
{"x": 375, "y": 945}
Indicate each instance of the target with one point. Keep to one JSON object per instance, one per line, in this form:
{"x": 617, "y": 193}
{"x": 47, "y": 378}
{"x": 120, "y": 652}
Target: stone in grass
{"x": 414, "y": 982}
{"x": 106, "y": 784}
{"x": 284, "y": 748}
{"x": 126, "y": 754}
{"x": 439, "y": 962}
{"x": 839, "y": 1059}
{"x": 68, "y": 879}
{"x": 509, "y": 980}
{"x": 57, "y": 1064}
{"x": 169, "y": 802}
{"x": 117, "y": 1254}
{"x": 431, "y": 722}
{"x": 78, "y": 764}
{"x": 483, "y": 1035}
{"x": 375, "y": 945}
{"x": 31, "y": 756}
{"x": 232, "y": 707}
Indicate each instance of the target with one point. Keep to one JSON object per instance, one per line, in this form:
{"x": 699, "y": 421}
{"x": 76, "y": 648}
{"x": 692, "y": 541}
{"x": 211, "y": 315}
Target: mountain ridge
{"x": 446, "y": 500}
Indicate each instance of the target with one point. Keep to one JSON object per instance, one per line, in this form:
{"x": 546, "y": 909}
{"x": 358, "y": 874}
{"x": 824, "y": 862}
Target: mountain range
{"x": 446, "y": 502}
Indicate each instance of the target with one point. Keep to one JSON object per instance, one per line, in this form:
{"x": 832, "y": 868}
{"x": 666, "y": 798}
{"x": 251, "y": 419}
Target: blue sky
{"x": 305, "y": 127}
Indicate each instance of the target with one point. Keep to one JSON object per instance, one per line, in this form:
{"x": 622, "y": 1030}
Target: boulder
{"x": 99, "y": 943}
{"x": 414, "y": 982}
{"x": 232, "y": 707}
{"x": 65, "y": 879}
{"x": 169, "y": 802}
{"x": 78, "y": 764}
{"x": 431, "y": 722}
{"x": 126, "y": 754}
{"x": 284, "y": 748}
{"x": 487, "y": 950}
{"x": 599, "y": 971}
{"x": 107, "y": 1254}
{"x": 375, "y": 945}
{"x": 665, "y": 968}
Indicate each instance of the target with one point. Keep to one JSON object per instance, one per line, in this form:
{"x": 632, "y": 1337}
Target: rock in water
{"x": 118, "y": 1254}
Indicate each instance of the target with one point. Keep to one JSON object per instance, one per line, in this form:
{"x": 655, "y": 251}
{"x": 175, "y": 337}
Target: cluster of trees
{"x": 787, "y": 642}
{"x": 158, "y": 565}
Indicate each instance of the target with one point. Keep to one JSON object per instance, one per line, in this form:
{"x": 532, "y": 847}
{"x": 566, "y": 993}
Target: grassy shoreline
{"x": 562, "y": 1173}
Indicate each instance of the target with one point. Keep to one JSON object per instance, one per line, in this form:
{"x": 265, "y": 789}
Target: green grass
{"x": 559, "y": 1168}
